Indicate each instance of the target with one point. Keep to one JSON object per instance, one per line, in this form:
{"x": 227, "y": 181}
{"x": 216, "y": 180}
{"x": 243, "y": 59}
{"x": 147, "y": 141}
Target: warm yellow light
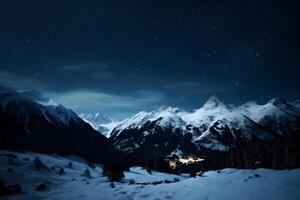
{"x": 172, "y": 164}
{"x": 190, "y": 160}
{"x": 184, "y": 160}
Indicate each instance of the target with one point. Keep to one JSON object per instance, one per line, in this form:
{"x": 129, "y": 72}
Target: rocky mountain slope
{"x": 28, "y": 121}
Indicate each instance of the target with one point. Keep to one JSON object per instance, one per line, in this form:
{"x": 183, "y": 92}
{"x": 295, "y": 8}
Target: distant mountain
{"x": 28, "y": 121}
{"x": 100, "y": 122}
{"x": 97, "y": 118}
{"x": 215, "y": 127}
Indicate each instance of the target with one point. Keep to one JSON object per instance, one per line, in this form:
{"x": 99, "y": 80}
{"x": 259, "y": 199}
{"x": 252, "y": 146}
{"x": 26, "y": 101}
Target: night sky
{"x": 121, "y": 57}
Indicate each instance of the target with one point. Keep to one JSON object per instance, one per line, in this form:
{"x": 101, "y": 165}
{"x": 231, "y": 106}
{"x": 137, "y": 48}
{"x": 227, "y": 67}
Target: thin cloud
{"x": 91, "y": 70}
{"x": 103, "y": 75}
{"x": 85, "y": 66}
{"x": 9, "y": 79}
{"x": 117, "y": 106}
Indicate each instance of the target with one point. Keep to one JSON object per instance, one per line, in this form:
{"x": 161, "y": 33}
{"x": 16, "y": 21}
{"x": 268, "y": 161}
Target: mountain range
{"x": 215, "y": 128}
{"x": 208, "y": 124}
{"x": 224, "y": 135}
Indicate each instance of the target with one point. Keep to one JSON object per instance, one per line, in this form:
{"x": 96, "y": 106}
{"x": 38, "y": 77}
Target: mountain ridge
{"x": 213, "y": 129}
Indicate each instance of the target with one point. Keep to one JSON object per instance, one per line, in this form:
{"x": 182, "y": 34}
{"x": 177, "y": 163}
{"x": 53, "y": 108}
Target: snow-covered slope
{"x": 165, "y": 117}
{"x": 159, "y": 126}
{"x": 226, "y": 184}
{"x": 277, "y": 112}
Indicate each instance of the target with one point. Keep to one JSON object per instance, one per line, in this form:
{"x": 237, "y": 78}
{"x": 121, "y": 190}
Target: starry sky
{"x": 119, "y": 57}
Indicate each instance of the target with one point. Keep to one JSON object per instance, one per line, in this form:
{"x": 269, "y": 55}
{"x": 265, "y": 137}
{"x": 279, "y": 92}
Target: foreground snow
{"x": 227, "y": 184}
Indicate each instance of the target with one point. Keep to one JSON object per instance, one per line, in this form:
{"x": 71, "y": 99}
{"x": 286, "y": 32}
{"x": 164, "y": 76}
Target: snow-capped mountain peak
{"x": 213, "y": 102}
{"x": 166, "y": 117}
{"x": 169, "y": 117}
{"x": 135, "y": 120}
{"x": 211, "y": 111}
